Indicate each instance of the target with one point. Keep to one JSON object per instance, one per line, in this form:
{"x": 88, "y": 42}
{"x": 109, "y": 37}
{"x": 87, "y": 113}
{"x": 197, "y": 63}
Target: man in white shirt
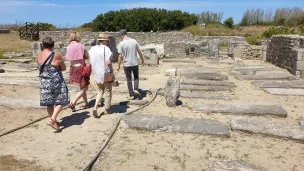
{"x": 128, "y": 49}
{"x": 100, "y": 59}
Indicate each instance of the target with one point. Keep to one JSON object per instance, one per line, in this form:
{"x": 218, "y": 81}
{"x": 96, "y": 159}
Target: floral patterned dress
{"x": 53, "y": 90}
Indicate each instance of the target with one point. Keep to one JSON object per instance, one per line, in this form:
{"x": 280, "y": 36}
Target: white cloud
{"x": 13, "y": 3}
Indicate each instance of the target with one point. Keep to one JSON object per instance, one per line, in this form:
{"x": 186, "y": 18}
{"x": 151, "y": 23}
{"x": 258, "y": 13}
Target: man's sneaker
{"x": 137, "y": 93}
{"x": 130, "y": 98}
{"x": 95, "y": 113}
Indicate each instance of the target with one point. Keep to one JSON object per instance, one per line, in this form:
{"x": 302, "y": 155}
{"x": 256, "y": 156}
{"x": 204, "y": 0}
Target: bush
{"x": 301, "y": 28}
{"x": 143, "y": 19}
{"x": 277, "y": 30}
{"x": 229, "y": 22}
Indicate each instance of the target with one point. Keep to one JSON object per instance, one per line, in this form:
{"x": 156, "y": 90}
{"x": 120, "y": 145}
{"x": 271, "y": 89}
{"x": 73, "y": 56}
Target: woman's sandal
{"x": 72, "y": 107}
{"x": 54, "y": 124}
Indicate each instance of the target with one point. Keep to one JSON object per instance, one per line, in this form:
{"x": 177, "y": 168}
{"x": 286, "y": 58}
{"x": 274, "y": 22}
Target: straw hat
{"x": 103, "y": 36}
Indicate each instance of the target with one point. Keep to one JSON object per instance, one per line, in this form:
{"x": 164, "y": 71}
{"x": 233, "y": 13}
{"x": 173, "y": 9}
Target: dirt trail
{"x": 82, "y": 136}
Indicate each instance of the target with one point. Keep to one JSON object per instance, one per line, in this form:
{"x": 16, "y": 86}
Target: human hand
{"x": 118, "y": 68}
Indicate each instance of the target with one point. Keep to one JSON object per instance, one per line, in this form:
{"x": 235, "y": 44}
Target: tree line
{"x": 282, "y": 17}
{"x": 142, "y": 19}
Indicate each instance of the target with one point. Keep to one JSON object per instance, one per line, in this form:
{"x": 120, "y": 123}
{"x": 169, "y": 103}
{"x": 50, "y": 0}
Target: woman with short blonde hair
{"x": 75, "y": 36}
{"x": 77, "y": 54}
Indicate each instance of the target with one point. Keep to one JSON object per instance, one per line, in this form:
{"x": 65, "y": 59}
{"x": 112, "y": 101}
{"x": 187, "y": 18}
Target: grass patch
{"x": 10, "y": 163}
{"x": 251, "y": 33}
{"x": 12, "y": 43}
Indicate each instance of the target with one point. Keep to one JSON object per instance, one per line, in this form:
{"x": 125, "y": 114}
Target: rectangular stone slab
{"x": 268, "y": 127}
{"x": 179, "y": 60}
{"x": 255, "y": 68}
{"x": 201, "y": 76}
{"x": 180, "y": 125}
{"x": 244, "y": 109}
{"x": 270, "y": 84}
{"x": 19, "y": 82}
{"x": 265, "y": 77}
{"x": 190, "y": 95}
{"x": 234, "y": 166}
{"x": 206, "y": 82}
{"x": 204, "y": 88}
{"x": 19, "y": 103}
{"x": 123, "y": 78}
{"x": 295, "y": 84}
{"x": 285, "y": 92}
{"x": 181, "y": 72}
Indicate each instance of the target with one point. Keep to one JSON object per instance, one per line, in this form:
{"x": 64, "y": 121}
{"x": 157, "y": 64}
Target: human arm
{"x": 140, "y": 53}
{"x": 60, "y": 62}
{"x": 120, "y": 59}
{"x": 141, "y": 57}
{"x": 86, "y": 55}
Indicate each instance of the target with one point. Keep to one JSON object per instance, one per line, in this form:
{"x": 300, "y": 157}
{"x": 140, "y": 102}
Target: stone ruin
{"x": 287, "y": 51}
{"x": 161, "y": 44}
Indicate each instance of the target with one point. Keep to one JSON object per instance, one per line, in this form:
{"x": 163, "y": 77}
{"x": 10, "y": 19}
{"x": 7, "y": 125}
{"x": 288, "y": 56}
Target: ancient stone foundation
{"x": 287, "y": 51}
{"x": 251, "y": 52}
{"x": 169, "y": 44}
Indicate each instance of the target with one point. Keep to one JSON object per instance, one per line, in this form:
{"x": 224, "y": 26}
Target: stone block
{"x": 4, "y": 31}
{"x": 180, "y": 125}
{"x": 170, "y": 72}
{"x": 302, "y": 121}
{"x": 206, "y": 82}
{"x": 270, "y": 84}
{"x": 203, "y": 76}
{"x": 266, "y": 77}
{"x": 300, "y": 65}
{"x": 244, "y": 109}
{"x": 268, "y": 127}
{"x": 238, "y": 53}
{"x": 234, "y": 166}
{"x": 172, "y": 92}
{"x": 19, "y": 103}
{"x": 191, "y": 95}
{"x": 285, "y": 92}
{"x": 204, "y": 88}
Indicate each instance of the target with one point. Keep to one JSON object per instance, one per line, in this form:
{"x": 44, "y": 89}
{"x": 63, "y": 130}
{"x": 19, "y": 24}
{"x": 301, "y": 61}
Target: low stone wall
{"x": 4, "y": 31}
{"x": 287, "y": 51}
{"x": 249, "y": 52}
{"x": 176, "y": 44}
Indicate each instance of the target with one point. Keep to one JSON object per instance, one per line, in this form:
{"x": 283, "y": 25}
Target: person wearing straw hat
{"x": 128, "y": 49}
{"x": 100, "y": 59}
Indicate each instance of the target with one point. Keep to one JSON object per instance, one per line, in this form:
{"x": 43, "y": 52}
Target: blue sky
{"x": 76, "y": 12}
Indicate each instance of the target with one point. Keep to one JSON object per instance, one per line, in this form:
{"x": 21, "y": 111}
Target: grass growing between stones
{"x": 10, "y": 163}
{"x": 12, "y": 43}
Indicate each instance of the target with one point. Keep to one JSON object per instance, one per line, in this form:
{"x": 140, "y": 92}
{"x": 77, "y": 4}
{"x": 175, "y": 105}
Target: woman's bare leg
{"x": 50, "y": 110}
{"x": 57, "y": 110}
{"x": 85, "y": 97}
{"x": 79, "y": 95}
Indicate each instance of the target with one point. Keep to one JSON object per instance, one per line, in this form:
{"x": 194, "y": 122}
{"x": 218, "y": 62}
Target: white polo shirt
{"x": 97, "y": 58}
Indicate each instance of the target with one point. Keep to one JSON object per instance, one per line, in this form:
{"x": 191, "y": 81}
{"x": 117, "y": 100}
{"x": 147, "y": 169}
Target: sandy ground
{"x": 135, "y": 150}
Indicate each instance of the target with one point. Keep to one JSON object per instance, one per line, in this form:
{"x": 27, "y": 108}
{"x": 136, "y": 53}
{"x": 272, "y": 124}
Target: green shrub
{"x": 277, "y": 30}
{"x": 252, "y": 39}
{"x": 229, "y": 22}
{"x": 301, "y": 28}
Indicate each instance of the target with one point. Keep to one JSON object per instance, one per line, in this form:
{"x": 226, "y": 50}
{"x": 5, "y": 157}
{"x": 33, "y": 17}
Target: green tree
{"x": 229, "y": 22}
{"x": 143, "y": 19}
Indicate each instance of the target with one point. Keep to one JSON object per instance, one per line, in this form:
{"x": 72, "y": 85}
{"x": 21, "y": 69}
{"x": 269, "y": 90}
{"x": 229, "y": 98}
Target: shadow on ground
{"x": 74, "y": 119}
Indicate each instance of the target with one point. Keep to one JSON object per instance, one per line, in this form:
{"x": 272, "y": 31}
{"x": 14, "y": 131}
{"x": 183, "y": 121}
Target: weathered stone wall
{"x": 287, "y": 51}
{"x": 249, "y": 52}
{"x": 176, "y": 44}
{"x": 4, "y": 31}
